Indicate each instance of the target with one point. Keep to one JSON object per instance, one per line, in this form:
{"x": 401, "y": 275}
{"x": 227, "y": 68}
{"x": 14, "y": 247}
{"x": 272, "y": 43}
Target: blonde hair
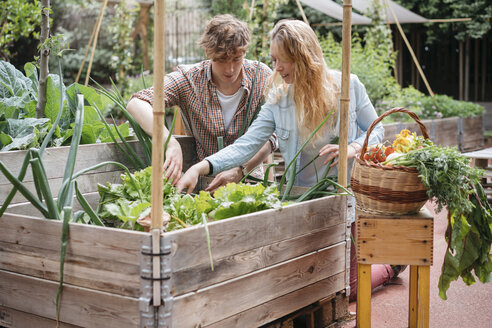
{"x": 315, "y": 91}
{"x": 225, "y": 36}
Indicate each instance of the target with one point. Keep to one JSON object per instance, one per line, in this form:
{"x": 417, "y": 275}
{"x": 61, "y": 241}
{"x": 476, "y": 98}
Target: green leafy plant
{"x": 453, "y": 183}
{"x": 18, "y": 96}
{"x": 18, "y": 19}
{"x": 439, "y": 106}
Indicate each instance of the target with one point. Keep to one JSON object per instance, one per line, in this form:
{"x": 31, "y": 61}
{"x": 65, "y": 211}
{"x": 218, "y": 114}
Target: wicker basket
{"x": 387, "y": 190}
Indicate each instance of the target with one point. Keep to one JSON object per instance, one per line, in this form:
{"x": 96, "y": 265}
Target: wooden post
{"x": 484, "y": 64}
{"x": 467, "y": 70}
{"x": 94, "y": 42}
{"x": 158, "y": 142}
{"x": 475, "y": 65}
{"x": 345, "y": 96}
{"x": 461, "y": 71}
{"x": 363, "y": 314}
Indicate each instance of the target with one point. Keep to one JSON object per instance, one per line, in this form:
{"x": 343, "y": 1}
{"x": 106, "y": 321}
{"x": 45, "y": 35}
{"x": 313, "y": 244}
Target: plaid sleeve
{"x": 174, "y": 86}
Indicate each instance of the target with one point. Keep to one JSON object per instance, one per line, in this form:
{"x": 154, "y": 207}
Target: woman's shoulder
{"x": 280, "y": 95}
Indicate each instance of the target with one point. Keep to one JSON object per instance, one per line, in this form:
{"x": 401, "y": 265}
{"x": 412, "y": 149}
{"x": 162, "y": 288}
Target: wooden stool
{"x": 403, "y": 240}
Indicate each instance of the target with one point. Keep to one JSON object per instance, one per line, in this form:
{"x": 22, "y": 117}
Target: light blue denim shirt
{"x": 281, "y": 117}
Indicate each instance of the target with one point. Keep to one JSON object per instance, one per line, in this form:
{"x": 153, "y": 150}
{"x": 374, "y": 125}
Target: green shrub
{"x": 372, "y": 61}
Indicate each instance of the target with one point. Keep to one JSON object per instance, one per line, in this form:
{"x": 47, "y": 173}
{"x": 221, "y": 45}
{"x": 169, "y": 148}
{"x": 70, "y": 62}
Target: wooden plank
{"x": 286, "y": 304}
{"x": 390, "y": 131}
{"x": 413, "y": 297}
{"x": 363, "y": 316}
{"x": 472, "y": 133}
{"x": 101, "y": 258}
{"x": 87, "y": 183}
{"x": 54, "y": 160}
{"x": 196, "y": 277}
{"x": 423, "y": 273}
{"x": 251, "y": 231}
{"x": 79, "y": 306}
{"x": 398, "y": 240}
{"x": 237, "y": 295}
{"x": 13, "y": 318}
{"x": 27, "y": 209}
{"x": 445, "y": 131}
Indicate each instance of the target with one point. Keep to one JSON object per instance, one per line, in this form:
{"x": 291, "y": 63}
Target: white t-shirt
{"x": 229, "y": 105}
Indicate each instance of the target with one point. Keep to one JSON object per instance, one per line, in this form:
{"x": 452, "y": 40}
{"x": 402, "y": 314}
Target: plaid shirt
{"x": 191, "y": 88}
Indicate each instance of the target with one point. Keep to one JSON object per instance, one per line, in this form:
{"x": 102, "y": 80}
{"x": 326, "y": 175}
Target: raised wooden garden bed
{"x": 266, "y": 265}
{"x": 466, "y": 133}
{"x": 54, "y": 160}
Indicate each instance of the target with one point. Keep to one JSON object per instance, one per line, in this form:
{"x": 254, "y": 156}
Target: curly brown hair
{"x": 225, "y": 36}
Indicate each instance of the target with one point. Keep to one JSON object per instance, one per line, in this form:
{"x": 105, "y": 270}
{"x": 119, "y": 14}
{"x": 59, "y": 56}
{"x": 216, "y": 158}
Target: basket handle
{"x": 380, "y": 118}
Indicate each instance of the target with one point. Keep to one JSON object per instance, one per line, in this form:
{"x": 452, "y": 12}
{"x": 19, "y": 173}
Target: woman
{"x": 307, "y": 93}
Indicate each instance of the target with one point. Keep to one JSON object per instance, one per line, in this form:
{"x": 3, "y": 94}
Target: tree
{"x": 44, "y": 60}
{"x": 18, "y": 18}
{"x": 479, "y": 11}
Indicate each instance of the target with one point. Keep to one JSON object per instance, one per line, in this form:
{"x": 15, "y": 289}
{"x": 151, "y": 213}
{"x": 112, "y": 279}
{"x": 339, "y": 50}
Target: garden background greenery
{"x": 121, "y": 61}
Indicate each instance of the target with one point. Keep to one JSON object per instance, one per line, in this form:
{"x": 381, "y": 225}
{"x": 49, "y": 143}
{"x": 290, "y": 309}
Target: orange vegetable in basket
{"x": 389, "y": 150}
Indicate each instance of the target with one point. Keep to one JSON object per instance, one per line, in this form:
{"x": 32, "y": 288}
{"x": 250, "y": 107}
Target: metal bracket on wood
{"x": 151, "y": 316}
{"x": 347, "y": 265}
{"x": 460, "y": 133}
{"x": 350, "y": 216}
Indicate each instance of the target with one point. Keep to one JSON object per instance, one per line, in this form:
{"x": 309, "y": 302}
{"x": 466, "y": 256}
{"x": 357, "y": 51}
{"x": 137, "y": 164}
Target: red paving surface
{"x": 466, "y": 306}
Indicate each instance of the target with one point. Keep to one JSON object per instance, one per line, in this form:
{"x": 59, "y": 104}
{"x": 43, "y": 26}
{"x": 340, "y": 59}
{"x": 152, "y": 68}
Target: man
{"x": 217, "y": 98}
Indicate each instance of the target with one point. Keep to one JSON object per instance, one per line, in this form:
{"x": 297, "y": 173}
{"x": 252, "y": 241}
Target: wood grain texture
{"x": 395, "y": 240}
{"x": 235, "y": 265}
{"x": 101, "y": 258}
{"x": 472, "y": 137}
{"x": 251, "y": 231}
{"x": 80, "y": 306}
{"x": 11, "y": 318}
{"x": 221, "y": 301}
{"x": 286, "y": 304}
{"x": 54, "y": 161}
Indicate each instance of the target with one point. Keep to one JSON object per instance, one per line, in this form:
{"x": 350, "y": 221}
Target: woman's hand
{"x": 223, "y": 178}
{"x": 332, "y": 151}
{"x": 174, "y": 161}
{"x": 189, "y": 180}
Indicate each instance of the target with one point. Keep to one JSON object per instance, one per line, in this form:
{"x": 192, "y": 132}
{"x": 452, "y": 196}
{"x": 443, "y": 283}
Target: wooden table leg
{"x": 363, "y": 319}
{"x": 413, "y": 297}
{"x": 423, "y": 298}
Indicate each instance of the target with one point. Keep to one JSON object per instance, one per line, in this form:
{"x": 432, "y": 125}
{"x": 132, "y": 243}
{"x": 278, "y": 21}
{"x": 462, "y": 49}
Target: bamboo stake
{"x": 87, "y": 49}
{"x": 302, "y": 12}
{"x": 415, "y": 60}
{"x": 98, "y": 27}
{"x": 345, "y": 96}
{"x": 158, "y": 142}
{"x": 251, "y": 10}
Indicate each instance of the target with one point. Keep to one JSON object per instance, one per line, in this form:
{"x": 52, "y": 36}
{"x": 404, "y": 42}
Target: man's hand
{"x": 174, "y": 161}
{"x": 189, "y": 180}
{"x": 223, "y": 178}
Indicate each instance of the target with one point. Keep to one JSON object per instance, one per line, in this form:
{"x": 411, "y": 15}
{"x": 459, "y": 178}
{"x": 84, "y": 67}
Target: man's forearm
{"x": 142, "y": 112}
